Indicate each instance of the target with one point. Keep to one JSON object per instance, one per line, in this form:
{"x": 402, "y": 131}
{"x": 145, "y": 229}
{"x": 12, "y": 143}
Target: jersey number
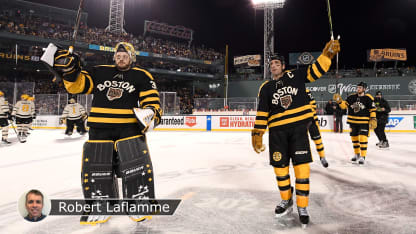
{"x": 25, "y": 108}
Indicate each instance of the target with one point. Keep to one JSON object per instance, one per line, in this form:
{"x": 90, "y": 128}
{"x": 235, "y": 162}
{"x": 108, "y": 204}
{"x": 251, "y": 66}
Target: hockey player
{"x": 361, "y": 117}
{"x": 314, "y": 131}
{"x": 32, "y": 100}
{"x": 5, "y": 116}
{"x": 23, "y": 113}
{"x": 125, "y": 105}
{"x": 74, "y": 114}
{"x": 284, "y": 108}
{"x": 382, "y": 115}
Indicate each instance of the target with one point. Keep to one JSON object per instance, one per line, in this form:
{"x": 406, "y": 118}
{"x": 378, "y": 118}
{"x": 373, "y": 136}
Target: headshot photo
{"x": 34, "y": 206}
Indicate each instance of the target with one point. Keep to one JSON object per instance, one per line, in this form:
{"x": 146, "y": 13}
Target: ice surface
{"x": 225, "y": 186}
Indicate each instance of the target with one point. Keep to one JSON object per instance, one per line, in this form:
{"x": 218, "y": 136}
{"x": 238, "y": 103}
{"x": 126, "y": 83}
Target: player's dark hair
{"x": 36, "y": 192}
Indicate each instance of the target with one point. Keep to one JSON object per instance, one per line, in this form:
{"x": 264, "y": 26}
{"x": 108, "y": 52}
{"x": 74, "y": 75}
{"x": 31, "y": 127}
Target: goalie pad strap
{"x": 135, "y": 167}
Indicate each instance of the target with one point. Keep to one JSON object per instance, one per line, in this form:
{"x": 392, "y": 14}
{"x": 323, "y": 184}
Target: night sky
{"x": 302, "y": 25}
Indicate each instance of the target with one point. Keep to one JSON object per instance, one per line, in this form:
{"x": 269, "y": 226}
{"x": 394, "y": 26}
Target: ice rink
{"x": 225, "y": 187}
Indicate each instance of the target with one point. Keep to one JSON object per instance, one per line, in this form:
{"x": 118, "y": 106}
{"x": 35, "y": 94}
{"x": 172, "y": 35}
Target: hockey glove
{"x": 331, "y": 49}
{"x": 146, "y": 118}
{"x": 257, "y": 140}
{"x": 66, "y": 63}
{"x": 373, "y": 123}
{"x": 337, "y": 98}
{"x": 324, "y": 162}
{"x": 62, "y": 121}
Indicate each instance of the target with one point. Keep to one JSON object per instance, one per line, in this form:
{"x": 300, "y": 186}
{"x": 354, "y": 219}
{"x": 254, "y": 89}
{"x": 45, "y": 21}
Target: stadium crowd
{"x": 25, "y": 23}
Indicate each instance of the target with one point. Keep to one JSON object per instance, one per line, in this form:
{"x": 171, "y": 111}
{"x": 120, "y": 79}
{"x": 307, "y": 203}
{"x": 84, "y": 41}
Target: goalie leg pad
{"x": 97, "y": 175}
{"x": 135, "y": 167}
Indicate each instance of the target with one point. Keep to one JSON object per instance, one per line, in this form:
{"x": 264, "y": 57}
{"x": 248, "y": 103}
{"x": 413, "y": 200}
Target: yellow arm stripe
{"x": 316, "y": 71}
{"x": 289, "y": 112}
{"x": 148, "y": 92}
{"x": 149, "y": 99}
{"x": 369, "y": 95}
{"x": 111, "y": 120}
{"x": 146, "y": 72}
{"x": 291, "y": 120}
{"x": 324, "y": 62}
{"x": 262, "y": 113}
{"x": 77, "y": 86}
{"x": 261, "y": 122}
{"x": 111, "y": 111}
{"x": 309, "y": 76}
{"x": 373, "y": 114}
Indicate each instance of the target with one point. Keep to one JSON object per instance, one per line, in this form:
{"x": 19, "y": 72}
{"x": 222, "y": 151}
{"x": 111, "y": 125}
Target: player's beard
{"x": 123, "y": 66}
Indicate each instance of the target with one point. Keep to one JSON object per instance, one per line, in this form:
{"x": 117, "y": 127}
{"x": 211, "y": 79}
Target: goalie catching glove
{"x": 257, "y": 140}
{"x": 146, "y": 118}
{"x": 61, "y": 60}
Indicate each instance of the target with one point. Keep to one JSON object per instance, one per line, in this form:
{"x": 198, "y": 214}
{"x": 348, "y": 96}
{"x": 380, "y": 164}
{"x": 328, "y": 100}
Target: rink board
{"x": 397, "y": 123}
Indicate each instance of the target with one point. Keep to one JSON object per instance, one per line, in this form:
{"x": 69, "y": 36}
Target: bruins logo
{"x": 285, "y": 101}
{"x": 277, "y": 156}
{"x": 114, "y": 93}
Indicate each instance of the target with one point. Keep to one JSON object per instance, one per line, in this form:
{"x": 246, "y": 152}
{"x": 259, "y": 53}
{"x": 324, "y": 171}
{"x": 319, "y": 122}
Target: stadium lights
{"x": 263, "y": 4}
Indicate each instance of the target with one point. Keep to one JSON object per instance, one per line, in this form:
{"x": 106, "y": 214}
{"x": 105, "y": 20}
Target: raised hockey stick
{"x": 331, "y": 31}
{"x": 48, "y": 56}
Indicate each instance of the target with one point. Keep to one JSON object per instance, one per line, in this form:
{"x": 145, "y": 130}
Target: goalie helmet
{"x": 126, "y": 47}
{"x": 1, "y": 93}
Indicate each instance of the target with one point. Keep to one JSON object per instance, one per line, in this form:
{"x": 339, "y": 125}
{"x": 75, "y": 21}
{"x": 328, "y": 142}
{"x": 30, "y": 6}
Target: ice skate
{"x": 139, "y": 218}
{"x": 93, "y": 219}
{"x": 283, "y": 208}
{"x": 355, "y": 158}
{"x": 303, "y": 216}
{"x": 384, "y": 145}
{"x": 361, "y": 161}
{"x": 5, "y": 141}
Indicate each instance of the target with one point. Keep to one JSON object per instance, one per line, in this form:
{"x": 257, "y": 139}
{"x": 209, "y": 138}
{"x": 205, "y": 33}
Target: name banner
{"x": 379, "y": 55}
{"x": 169, "y": 30}
{"x": 249, "y": 60}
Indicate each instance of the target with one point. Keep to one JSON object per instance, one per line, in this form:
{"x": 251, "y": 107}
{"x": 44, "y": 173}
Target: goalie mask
{"x": 126, "y": 47}
{"x": 1, "y": 93}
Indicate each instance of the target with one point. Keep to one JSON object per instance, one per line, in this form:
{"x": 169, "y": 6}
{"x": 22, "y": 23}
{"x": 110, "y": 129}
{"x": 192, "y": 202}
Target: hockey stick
{"x": 331, "y": 31}
{"x": 48, "y": 62}
{"x": 17, "y": 134}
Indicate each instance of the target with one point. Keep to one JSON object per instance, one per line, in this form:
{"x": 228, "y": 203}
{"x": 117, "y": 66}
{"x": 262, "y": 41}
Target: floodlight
{"x": 262, "y": 4}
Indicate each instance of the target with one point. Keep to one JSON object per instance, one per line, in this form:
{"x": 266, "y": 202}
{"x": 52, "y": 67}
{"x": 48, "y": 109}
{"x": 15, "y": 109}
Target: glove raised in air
{"x": 331, "y": 49}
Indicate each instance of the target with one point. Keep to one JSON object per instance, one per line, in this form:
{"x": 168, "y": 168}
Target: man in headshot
{"x": 34, "y": 206}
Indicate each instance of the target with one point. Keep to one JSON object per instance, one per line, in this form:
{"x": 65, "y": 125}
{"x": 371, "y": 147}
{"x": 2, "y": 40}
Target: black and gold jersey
{"x": 283, "y": 103}
{"x": 360, "y": 108}
{"x": 312, "y": 103}
{"x": 116, "y": 93}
